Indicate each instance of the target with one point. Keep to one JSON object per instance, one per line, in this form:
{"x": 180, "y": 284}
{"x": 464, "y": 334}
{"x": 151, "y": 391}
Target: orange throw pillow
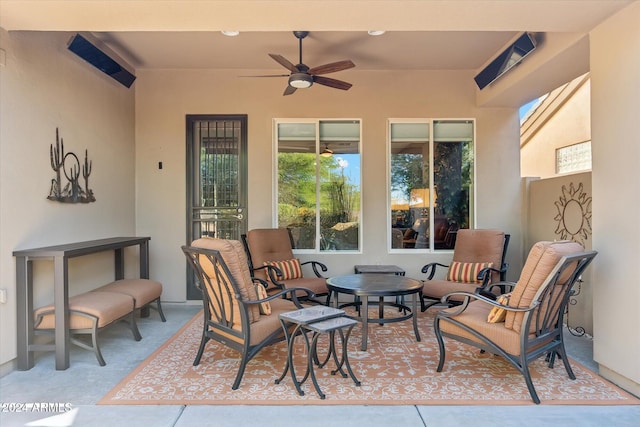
{"x": 466, "y": 272}
{"x": 291, "y": 268}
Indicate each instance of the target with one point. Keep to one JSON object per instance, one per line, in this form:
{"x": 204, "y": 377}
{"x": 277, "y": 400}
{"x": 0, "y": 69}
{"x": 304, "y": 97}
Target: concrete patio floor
{"x": 84, "y": 384}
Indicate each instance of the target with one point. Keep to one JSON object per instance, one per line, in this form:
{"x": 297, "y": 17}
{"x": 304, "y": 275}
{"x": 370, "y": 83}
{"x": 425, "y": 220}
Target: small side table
{"x": 330, "y": 326}
{"x": 320, "y": 319}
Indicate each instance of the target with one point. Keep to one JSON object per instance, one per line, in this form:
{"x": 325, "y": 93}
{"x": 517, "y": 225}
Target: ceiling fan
{"x": 303, "y": 77}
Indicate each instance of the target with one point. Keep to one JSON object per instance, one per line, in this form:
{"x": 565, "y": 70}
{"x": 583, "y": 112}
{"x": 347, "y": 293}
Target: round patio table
{"x": 368, "y": 285}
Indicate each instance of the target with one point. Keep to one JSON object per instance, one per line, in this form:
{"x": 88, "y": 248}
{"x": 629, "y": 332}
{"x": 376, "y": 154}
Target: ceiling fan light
{"x": 376, "y": 32}
{"x": 327, "y": 152}
{"x": 300, "y": 80}
{"x": 230, "y": 33}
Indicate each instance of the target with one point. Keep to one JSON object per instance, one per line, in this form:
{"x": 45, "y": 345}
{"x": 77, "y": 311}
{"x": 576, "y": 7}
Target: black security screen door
{"x": 216, "y": 180}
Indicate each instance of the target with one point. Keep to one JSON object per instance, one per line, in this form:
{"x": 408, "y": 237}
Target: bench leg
{"x": 134, "y": 326}
{"x": 164, "y": 319}
{"x": 96, "y": 348}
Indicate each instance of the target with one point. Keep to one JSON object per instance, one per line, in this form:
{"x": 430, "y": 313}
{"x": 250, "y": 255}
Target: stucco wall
{"x": 44, "y": 87}
{"x": 164, "y": 97}
{"x": 569, "y": 124}
{"x": 560, "y": 208}
{"x": 615, "y": 103}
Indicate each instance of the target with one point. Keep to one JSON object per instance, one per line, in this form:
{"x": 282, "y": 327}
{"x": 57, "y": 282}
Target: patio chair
{"x": 237, "y": 311}
{"x": 529, "y": 325}
{"x": 270, "y": 255}
{"x": 478, "y": 261}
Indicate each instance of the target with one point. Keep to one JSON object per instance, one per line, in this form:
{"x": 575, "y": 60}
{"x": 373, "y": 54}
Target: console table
{"x": 60, "y": 255}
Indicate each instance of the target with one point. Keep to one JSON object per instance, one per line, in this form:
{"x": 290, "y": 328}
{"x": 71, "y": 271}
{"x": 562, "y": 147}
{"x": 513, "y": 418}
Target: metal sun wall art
{"x": 574, "y": 222}
{"x": 70, "y": 166}
{"x": 574, "y": 214}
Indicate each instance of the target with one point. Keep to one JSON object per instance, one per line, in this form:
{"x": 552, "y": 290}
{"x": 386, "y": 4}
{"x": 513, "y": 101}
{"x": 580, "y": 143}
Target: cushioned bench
{"x": 143, "y": 291}
{"x": 88, "y": 313}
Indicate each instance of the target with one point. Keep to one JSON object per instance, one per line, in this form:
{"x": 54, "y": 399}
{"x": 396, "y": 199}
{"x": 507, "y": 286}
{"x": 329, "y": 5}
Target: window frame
{"x": 319, "y": 146}
{"x": 431, "y": 122}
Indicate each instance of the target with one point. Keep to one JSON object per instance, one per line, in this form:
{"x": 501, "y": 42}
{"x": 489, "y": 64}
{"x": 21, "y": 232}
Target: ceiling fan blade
{"x": 337, "y": 84}
{"x": 284, "y": 62}
{"x": 332, "y": 68}
{"x": 289, "y": 90}
{"x": 269, "y": 75}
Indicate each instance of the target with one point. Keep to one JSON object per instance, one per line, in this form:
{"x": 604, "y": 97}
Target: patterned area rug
{"x": 395, "y": 370}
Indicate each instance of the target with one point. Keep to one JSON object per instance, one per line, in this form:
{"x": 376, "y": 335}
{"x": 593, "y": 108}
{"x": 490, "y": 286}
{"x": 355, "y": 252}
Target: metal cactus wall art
{"x": 69, "y": 164}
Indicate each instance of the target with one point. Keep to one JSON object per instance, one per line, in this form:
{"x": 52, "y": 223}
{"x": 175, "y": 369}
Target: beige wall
{"x": 42, "y": 86}
{"x": 561, "y": 208}
{"x": 570, "y": 123}
{"x": 615, "y": 103}
{"x": 163, "y": 98}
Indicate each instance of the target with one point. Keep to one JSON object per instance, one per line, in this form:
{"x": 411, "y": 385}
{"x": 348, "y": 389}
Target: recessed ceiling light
{"x": 230, "y": 33}
{"x": 376, "y": 32}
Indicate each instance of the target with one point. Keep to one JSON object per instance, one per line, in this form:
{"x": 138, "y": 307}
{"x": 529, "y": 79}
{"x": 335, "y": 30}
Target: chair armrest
{"x": 485, "y": 288}
{"x": 474, "y": 296}
{"x": 430, "y": 269}
{"x": 293, "y": 291}
{"x": 503, "y": 271}
{"x": 274, "y": 273}
{"x": 315, "y": 265}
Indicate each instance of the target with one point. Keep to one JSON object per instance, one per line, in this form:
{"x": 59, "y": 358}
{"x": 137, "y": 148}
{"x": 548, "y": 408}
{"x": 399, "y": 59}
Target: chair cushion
{"x": 233, "y": 254}
{"x": 497, "y": 314}
{"x": 267, "y": 325}
{"x": 317, "y": 285}
{"x": 542, "y": 259}
{"x": 268, "y": 244}
{"x": 436, "y": 289}
{"x": 261, "y": 292}
{"x": 105, "y": 306}
{"x": 466, "y": 272}
{"x": 143, "y": 291}
{"x": 290, "y": 268}
{"x": 482, "y": 245}
{"x": 475, "y": 316}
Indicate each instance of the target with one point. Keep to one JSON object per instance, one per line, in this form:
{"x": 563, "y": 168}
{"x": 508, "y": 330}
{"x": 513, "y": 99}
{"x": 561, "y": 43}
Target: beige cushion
{"x": 233, "y": 254}
{"x": 143, "y": 291}
{"x": 266, "y": 325}
{"x": 436, "y": 289}
{"x": 317, "y": 285}
{"x": 542, "y": 259}
{"x": 475, "y": 316}
{"x": 106, "y": 306}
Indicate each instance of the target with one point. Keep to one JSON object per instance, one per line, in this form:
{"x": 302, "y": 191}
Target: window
{"x": 430, "y": 182}
{"x": 574, "y": 158}
{"x": 318, "y": 183}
